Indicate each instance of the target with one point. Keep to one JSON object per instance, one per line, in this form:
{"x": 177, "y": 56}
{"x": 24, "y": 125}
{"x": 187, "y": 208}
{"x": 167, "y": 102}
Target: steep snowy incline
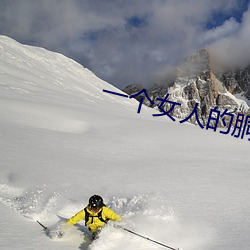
{"x": 30, "y": 74}
{"x": 63, "y": 139}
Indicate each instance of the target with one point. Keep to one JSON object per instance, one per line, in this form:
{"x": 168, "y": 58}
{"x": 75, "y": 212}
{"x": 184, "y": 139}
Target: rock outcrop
{"x": 196, "y": 82}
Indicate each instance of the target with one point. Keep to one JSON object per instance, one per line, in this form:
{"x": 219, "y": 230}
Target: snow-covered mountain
{"x": 198, "y": 81}
{"x": 63, "y": 139}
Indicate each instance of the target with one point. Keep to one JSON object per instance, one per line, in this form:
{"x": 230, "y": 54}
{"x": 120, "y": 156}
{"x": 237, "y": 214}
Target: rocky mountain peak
{"x": 197, "y": 64}
{"x": 196, "y": 82}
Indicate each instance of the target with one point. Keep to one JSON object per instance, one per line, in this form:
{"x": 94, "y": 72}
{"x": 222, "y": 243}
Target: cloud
{"x": 121, "y": 41}
{"x": 233, "y": 49}
{"x": 228, "y": 28}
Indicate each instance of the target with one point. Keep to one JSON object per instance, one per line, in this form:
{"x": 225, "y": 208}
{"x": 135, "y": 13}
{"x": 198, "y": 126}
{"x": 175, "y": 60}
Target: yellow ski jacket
{"x": 94, "y": 223}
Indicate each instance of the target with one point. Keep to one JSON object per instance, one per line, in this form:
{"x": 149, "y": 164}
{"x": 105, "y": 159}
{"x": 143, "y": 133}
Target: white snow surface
{"x": 63, "y": 139}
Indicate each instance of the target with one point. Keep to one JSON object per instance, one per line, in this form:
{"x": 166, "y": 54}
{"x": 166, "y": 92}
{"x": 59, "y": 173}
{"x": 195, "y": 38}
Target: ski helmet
{"x": 95, "y": 202}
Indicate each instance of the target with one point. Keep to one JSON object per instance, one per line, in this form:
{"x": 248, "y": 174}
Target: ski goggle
{"x": 94, "y": 208}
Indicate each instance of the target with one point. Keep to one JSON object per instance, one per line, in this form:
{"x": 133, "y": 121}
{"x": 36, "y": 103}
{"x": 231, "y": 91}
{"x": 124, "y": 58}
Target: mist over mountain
{"x": 200, "y": 79}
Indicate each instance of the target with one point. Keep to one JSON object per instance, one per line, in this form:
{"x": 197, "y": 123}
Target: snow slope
{"x": 63, "y": 139}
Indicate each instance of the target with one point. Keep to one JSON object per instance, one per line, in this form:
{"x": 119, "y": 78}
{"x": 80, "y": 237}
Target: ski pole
{"x": 146, "y": 238}
{"x": 45, "y": 228}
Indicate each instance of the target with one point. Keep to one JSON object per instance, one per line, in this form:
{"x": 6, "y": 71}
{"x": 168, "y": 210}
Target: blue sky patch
{"x": 219, "y": 17}
{"x": 136, "y": 21}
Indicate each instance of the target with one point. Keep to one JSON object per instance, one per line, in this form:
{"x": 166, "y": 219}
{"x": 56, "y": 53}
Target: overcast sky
{"x": 131, "y": 41}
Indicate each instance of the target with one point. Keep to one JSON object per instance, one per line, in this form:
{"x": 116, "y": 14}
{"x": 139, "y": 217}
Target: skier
{"x": 95, "y": 214}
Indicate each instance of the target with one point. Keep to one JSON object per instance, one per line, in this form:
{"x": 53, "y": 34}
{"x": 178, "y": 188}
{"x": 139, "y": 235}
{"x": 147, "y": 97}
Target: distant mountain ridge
{"x": 237, "y": 81}
{"x": 197, "y": 82}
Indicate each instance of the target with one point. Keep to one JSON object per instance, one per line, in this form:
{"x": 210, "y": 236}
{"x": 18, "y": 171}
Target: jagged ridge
{"x": 197, "y": 82}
